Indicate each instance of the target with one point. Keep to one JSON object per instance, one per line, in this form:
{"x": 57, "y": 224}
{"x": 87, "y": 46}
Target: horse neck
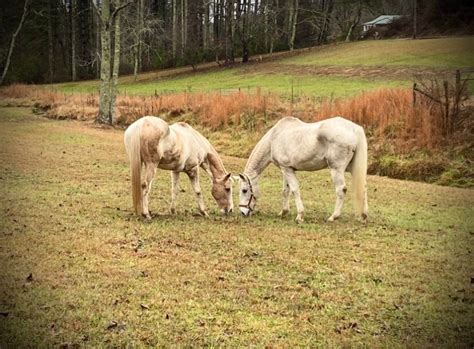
{"x": 259, "y": 159}
{"x": 215, "y": 164}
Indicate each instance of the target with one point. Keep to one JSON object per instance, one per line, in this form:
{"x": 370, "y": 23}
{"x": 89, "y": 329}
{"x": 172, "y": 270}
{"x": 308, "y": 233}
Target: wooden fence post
{"x": 458, "y": 80}
{"x": 414, "y": 94}
{"x": 447, "y": 119}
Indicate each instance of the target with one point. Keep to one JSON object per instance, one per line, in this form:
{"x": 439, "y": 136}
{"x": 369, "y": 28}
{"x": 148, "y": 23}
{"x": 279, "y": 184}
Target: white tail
{"x": 359, "y": 175}
{"x": 136, "y": 170}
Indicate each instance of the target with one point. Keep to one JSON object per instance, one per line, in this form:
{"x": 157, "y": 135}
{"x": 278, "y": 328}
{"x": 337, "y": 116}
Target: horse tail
{"x": 136, "y": 168}
{"x": 359, "y": 175}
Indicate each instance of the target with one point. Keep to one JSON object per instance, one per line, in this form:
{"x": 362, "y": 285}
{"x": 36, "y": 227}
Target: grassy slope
{"x": 446, "y": 53}
{"x": 456, "y": 52}
{"x": 402, "y": 280}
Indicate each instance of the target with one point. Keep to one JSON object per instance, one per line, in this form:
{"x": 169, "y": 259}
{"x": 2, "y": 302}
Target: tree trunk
{"x": 116, "y": 66}
{"x": 50, "y": 43}
{"x": 415, "y": 5}
{"x": 355, "y": 22}
{"x": 205, "y": 28}
{"x": 175, "y": 30}
{"x": 109, "y": 78}
{"x": 183, "y": 27}
{"x": 73, "y": 40}
{"x": 327, "y": 7}
{"x": 141, "y": 9}
{"x": 12, "y": 42}
{"x": 293, "y": 19}
{"x": 97, "y": 45}
{"x": 274, "y": 26}
{"x": 105, "y": 114}
{"x": 244, "y": 31}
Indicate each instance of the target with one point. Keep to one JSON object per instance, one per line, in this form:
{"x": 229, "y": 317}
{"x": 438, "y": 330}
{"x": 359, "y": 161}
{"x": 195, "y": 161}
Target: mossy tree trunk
{"x": 109, "y": 66}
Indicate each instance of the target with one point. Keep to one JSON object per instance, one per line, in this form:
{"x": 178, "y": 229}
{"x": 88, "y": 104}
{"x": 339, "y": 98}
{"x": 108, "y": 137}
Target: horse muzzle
{"x": 245, "y": 211}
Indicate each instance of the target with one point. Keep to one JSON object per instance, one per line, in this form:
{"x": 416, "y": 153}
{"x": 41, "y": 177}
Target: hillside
{"x": 338, "y": 70}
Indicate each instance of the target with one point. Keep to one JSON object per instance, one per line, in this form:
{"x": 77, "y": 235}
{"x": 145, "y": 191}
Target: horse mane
{"x": 259, "y": 157}
{"x": 215, "y": 163}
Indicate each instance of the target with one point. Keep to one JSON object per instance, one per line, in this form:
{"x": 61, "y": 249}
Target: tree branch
{"x": 120, "y": 8}
{"x": 12, "y": 42}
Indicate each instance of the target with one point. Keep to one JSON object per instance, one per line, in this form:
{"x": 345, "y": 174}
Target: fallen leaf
{"x": 112, "y": 325}
{"x": 144, "y": 306}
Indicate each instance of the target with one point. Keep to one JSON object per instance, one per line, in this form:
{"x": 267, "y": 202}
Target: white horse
{"x": 178, "y": 148}
{"x": 294, "y": 145}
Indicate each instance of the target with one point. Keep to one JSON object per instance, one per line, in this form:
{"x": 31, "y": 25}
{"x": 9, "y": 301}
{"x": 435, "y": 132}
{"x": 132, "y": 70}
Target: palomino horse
{"x": 178, "y": 148}
{"x": 294, "y": 145}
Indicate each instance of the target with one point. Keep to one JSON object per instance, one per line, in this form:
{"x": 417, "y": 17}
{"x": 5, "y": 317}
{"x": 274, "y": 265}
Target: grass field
{"x": 340, "y": 70}
{"x": 455, "y": 52}
{"x": 78, "y": 269}
{"x": 231, "y": 80}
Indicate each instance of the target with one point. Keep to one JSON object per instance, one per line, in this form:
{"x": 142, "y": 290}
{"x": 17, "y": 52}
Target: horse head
{"x": 222, "y": 193}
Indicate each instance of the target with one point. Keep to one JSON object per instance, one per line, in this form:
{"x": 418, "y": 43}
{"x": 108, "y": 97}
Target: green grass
{"x": 448, "y": 53}
{"x": 279, "y": 76}
{"x": 403, "y": 280}
{"x": 233, "y": 79}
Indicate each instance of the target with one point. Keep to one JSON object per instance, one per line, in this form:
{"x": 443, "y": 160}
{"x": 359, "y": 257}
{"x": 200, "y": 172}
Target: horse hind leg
{"x": 285, "y": 197}
{"x": 150, "y": 171}
{"x": 340, "y": 186}
{"x": 174, "y": 190}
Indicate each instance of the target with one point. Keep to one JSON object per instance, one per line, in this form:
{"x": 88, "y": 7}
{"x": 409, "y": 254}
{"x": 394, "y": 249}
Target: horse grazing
{"x": 294, "y": 145}
{"x": 178, "y": 148}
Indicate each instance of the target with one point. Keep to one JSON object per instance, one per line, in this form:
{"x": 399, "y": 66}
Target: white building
{"x": 380, "y": 21}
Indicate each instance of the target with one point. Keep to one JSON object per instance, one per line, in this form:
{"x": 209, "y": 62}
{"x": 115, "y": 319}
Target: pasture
{"x": 79, "y": 269}
{"x": 339, "y": 70}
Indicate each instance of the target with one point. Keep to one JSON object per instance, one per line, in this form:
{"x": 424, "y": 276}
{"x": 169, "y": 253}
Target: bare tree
{"x": 347, "y": 16}
{"x": 12, "y": 42}
{"x": 108, "y": 14}
{"x": 292, "y": 22}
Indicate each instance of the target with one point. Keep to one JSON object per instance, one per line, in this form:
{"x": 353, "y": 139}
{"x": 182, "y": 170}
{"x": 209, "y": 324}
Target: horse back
{"x": 152, "y": 132}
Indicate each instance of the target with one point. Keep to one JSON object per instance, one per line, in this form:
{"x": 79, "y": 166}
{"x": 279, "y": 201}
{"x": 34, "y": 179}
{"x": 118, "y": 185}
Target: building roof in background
{"x": 385, "y": 19}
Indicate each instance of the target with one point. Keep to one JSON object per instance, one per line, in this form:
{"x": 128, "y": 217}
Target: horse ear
{"x": 227, "y": 177}
{"x": 242, "y": 177}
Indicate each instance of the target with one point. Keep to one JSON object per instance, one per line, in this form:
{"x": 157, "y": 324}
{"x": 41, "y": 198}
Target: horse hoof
{"x": 331, "y": 219}
{"x": 173, "y": 211}
{"x": 283, "y": 213}
{"x": 299, "y": 220}
{"x": 205, "y": 214}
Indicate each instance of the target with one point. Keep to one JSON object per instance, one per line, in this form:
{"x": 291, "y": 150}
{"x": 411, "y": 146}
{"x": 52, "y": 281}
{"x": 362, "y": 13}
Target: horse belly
{"x": 311, "y": 165}
{"x": 171, "y": 166}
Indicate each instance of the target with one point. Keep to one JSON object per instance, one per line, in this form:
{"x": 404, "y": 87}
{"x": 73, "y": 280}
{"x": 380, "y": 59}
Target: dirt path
{"x": 369, "y": 72}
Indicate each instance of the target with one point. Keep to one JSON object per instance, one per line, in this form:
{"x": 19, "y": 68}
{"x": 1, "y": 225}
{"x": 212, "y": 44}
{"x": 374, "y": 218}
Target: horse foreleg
{"x": 286, "y": 197}
{"x": 340, "y": 185}
{"x": 295, "y": 189}
{"x": 150, "y": 172}
{"x": 194, "y": 178}
{"x": 174, "y": 190}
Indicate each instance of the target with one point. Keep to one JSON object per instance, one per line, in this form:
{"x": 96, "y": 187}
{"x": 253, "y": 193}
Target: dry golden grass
{"x": 385, "y": 113}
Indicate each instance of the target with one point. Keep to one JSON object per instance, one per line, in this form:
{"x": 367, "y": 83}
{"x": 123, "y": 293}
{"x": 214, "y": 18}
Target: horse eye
{"x": 244, "y": 191}
{"x": 227, "y": 189}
